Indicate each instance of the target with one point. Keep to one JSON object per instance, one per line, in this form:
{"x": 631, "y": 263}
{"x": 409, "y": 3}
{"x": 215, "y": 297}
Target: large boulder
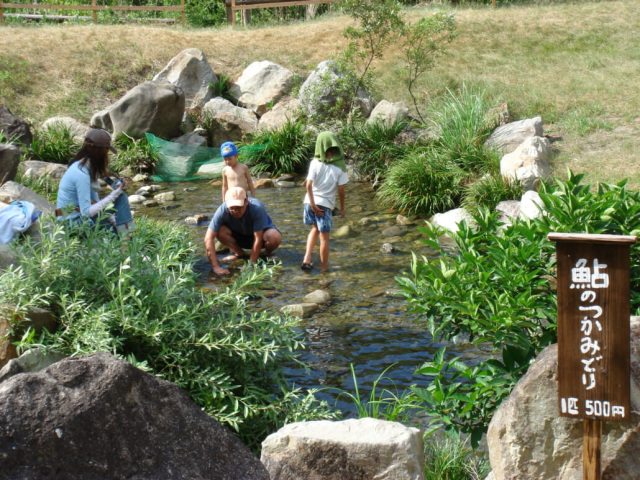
{"x": 38, "y": 168}
{"x": 529, "y": 163}
{"x": 261, "y": 84}
{"x": 357, "y": 449}
{"x": 506, "y": 138}
{"x": 77, "y": 129}
{"x": 9, "y": 161}
{"x": 99, "y": 417}
{"x": 527, "y": 438}
{"x": 287, "y": 109}
{"x": 228, "y": 122}
{"x": 319, "y": 93}
{"x": 388, "y": 113}
{"x": 451, "y": 220}
{"x": 14, "y": 128}
{"x": 190, "y": 71}
{"x": 151, "y": 107}
{"x": 12, "y": 191}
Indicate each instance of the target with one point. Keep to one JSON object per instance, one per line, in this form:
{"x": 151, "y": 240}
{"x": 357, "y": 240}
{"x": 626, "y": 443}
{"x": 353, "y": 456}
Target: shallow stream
{"x": 367, "y": 323}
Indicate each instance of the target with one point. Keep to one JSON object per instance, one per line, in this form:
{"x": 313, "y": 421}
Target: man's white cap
{"x": 235, "y": 197}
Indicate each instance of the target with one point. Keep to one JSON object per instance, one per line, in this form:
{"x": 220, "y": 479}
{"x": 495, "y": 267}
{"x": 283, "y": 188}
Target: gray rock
{"x": 228, "y": 122}
{"x": 191, "y": 72}
{"x": 260, "y": 85}
{"x": 342, "y": 231}
{"x": 300, "y": 309}
{"x": 284, "y": 184}
{"x": 529, "y": 163}
{"x": 530, "y": 205}
{"x": 359, "y": 449}
{"x": 506, "y": 138}
{"x": 509, "y": 210}
{"x": 38, "y": 169}
{"x": 150, "y": 203}
{"x": 531, "y": 412}
{"x": 151, "y": 107}
{"x": 263, "y": 183}
{"x": 30, "y": 361}
{"x": 318, "y": 95}
{"x": 191, "y": 138}
{"x": 394, "y": 231}
{"x": 165, "y": 197}
{"x": 77, "y": 129}
{"x": 387, "y": 248}
{"x": 451, "y": 220}
{"x": 388, "y": 113}
{"x": 136, "y": 199}
{"x": 14, "y": 128}
{"x": 211, "y": 170}
{"x": 12, "y": 191}
{"x": 98, "y": 417}
{"x": 7, "y": 258}
{"x": 287, "y": 109}
{"x": 9, "y": 161}
{"x": 317, "y": 296}
{"x": 196, "y": 219}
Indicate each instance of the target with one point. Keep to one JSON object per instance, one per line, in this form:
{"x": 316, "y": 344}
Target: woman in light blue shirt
{"x": 78, "y": 199}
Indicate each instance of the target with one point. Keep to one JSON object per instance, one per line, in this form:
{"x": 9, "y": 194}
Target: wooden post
{"x": 591, "y": 442}
{"x": 233, "y": 12}
{"x": 182, "y": 5}
{"x": 95, "y": 12}
{"x": 1, "y": 13}
{"x": 593, "y": 335}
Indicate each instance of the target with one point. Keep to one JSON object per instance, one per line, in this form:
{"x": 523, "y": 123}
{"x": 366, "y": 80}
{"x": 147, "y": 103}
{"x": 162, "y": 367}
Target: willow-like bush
{"x": 143, "y": 304}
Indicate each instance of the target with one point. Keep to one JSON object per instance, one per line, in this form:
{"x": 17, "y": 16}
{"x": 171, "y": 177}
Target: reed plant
{"x": 489, "y": 190}
{"x": 424, "y": 181}
{"x": 373, "y": 146}
{"x": 54, "y": 144}
{"x": 134, "y": 154}
{"x": 288, "y": 149}
{"x": 450, "y": 458}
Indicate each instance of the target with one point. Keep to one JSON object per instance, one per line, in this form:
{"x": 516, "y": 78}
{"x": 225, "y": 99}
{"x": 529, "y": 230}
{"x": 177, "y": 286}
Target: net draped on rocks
{"x": 178, "y": 162}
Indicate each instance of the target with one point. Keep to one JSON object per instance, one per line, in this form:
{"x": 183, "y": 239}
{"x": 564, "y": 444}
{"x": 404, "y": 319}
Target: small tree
{"x": 422, "y": 42}
{"x": 379, "y": 22}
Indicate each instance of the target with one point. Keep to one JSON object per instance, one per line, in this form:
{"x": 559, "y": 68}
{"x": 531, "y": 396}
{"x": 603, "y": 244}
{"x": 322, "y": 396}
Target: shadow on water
{"x": 367, "y": 323}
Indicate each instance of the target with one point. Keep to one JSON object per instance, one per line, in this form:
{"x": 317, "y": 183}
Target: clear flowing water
{"x": 367, "y": 324}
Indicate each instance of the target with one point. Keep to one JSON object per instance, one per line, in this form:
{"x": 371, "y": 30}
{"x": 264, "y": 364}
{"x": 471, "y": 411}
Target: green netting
{"x": 178, "y": 162}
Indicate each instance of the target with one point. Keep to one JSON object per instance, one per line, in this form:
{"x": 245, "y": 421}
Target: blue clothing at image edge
{"x": 254, "y": 219}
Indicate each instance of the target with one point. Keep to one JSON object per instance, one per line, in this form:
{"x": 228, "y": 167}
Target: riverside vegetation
{"x": 154, "y": 315}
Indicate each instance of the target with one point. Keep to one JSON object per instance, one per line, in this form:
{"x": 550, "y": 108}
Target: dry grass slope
{"x": 577, "y": 65}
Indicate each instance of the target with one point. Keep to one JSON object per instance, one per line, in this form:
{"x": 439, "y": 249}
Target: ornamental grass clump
{"x": 143, "y": 304}
{"x": 285, "y": 150}
{"x": 54, "y": 144}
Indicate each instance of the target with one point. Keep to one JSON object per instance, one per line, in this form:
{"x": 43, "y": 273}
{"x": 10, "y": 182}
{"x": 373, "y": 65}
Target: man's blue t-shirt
{"x": 255, "y": 218}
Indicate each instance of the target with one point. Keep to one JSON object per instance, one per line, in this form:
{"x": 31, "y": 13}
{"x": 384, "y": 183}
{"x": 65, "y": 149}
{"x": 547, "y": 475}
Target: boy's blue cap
{"x": 228, "y": 149}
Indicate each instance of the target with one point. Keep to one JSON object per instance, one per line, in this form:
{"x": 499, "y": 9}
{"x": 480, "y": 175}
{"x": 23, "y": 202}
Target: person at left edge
{"x": 240, "y": 223}
{"x": 78, "y": 199}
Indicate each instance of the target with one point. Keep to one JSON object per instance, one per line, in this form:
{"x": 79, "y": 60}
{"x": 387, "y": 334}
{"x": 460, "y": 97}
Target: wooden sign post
{"x": 593, "y": 334}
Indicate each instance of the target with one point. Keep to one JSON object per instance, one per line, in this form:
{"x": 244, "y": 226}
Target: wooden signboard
{"x": 593, "y": 325}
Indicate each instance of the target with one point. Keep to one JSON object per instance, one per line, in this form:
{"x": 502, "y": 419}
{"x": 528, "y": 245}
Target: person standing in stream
{"x": 327, "y": 177}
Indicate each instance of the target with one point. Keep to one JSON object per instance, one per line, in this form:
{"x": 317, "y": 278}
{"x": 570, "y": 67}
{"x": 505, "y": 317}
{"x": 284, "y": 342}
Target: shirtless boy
{"x": 235, "y": 174}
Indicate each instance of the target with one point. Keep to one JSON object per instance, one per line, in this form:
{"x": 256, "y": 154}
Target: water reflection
{"x": 366, "y": 323}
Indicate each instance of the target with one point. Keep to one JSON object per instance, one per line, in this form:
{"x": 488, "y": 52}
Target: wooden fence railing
{"x": 94, "y": 7}
{"x": 234, "y": 6}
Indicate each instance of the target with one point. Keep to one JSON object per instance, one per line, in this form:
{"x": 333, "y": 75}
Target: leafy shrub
{"x": 495, "y": 289}
{"x": 136, "y": 154}
{"x": 204, "y": 13}
{"x": 373, "y": 146}
{"x": 285, "y": 150}
{"x": 144, "y": 305}
{"x": 54, "y": 144}
{"x": 489, "y": 190}
{"x": 422, "y": 182}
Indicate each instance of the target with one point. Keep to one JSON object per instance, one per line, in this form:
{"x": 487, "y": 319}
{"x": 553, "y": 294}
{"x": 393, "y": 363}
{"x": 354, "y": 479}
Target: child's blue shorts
{"x": 324, "y": 223}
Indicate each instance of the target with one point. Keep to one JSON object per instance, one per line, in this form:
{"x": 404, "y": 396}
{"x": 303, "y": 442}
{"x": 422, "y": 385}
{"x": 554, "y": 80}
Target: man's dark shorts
{"x": 244, "y": 241}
